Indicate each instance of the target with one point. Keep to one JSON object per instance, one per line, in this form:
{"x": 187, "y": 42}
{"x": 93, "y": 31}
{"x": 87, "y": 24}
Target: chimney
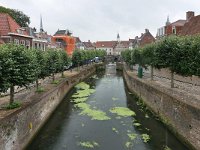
{"x": 189, "y": 15}
{"x": 89, "y": 41}
{"x": 146, "y": 30}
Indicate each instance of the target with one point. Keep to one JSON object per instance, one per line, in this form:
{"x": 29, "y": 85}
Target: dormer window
{"x": 22, "y": 42}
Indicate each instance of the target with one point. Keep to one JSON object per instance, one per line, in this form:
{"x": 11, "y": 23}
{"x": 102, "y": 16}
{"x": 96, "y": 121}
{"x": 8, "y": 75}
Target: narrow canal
{"x": 102, "y": 114}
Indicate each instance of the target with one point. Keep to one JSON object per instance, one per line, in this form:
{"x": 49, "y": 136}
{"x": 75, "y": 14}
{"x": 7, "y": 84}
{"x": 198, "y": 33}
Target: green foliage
{"x": 179, "y": 54}
{"x": 20, "y": 66}
{"x": 13, "y": 105}
{"x": 22, "y": 19}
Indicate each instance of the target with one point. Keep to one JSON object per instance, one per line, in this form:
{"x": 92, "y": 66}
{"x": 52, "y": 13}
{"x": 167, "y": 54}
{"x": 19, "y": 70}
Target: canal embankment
{"x": 22, "y": 124}
{"x": 179, "y": 110}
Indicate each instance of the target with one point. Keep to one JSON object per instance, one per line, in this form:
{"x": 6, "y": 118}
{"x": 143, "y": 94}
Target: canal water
{"x": 73, "y": 128}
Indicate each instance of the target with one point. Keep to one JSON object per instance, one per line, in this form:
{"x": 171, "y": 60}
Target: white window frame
{"x": 16, "y": 41}
{"x": 22, "y": 42}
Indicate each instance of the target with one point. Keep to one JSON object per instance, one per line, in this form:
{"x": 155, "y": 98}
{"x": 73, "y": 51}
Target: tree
{"x": 63, "y": 61}
{"x": 76, "y": 58}
{"x": 16, "y": 67}
{"x": 53, "y": 62}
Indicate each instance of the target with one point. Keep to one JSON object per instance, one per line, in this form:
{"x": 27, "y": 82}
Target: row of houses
{"x": 117, "y": 46}
{"x": 182, "y": 27}
{"x": 10, "y": 31}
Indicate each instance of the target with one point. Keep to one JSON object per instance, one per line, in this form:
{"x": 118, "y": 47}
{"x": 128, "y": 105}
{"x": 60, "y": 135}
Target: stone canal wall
{"x": 18, "y": 128}
{"x": 179, "y": 111}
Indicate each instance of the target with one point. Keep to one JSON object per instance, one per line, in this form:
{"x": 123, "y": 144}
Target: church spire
{"x": 41, "y": 25}
{"x": 118, "y": 38}
{"x": 168, "y": 22}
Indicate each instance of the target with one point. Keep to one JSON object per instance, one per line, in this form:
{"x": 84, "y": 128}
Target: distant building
{"x": 146, "y": 38}
{"x": 108, "y": 46}
{"x": 65, "y": 40}
{"x": 120, "y": 46}
{"x": 79, "y": 44}
{"x": 10, "y": 31}
{"x": 89, "y": 45}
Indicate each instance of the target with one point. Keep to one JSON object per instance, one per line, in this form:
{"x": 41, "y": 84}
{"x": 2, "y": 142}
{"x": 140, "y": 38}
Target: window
{"x": 16, "y": 41}
{"x": 22, "y": 42}
{"x": 28, "y": 44}
{"x": 174, "y": 30}
{"x": 35, "y": 45}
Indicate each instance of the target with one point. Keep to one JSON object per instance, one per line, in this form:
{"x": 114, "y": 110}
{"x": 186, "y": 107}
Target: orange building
{"x": 64, "y": 39}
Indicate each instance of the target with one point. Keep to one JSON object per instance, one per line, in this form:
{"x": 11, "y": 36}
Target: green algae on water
{"x": 145, "y": 137}
{"x": 80, "y": 100}
{"x": 166, "y": 148}
{"x": 82, "y": 86}
{"x": 129, "y": 145}
{"x": 94, "y": 114}
{"x": 83, "y": 93}
{"x": 132, "y": 136}
{"x": 115, "y": 130}
{"x": 137, "y": 124}
{"x": 89, "y": 144}
{"x": 122, "y": 111}
{"x": 114, "y": 98}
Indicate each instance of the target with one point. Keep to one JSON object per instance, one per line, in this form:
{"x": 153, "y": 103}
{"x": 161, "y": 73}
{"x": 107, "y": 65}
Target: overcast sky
{"x": 103, "y": 19}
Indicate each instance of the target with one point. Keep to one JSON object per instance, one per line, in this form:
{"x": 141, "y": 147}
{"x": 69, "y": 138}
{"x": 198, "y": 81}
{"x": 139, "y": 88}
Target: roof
{"x": 125, "y": 43}
{"x": 9, "y": 25}
{"x": 146, "y": 38}
{"x": 63, "y": 32}
{"x": 178, "y": 23}
{"x": 88, "y": 44}
{"x": 77, "y": 39}
{"x": 110, "y": 44}
{"x": 192, "y": 27}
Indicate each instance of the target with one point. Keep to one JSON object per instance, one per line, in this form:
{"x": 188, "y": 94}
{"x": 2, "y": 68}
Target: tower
{"x": 168, "y": 22}
{"x": 41, "y": 25}
{"x": 118, "y": 38}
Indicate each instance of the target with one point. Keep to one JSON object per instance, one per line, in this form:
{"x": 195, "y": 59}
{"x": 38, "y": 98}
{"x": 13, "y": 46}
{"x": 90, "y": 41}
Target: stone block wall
{"x": 18, "y": 128}
{"x": 180, "y": 114}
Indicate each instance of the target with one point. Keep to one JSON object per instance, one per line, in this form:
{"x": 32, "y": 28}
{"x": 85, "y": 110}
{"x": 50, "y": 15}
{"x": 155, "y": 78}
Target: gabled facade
{"x": 79, "y": 44}
{"x": 10, "y": 31}
{"x": 65, "y": 41}
{"x": 191, "y": 27}
{"x": 89, "y": 45}
{"x": 146, "y": 38}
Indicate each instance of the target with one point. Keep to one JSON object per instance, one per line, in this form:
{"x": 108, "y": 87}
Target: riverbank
{"x": 18, "y": 126}
{"x": 179, "y": 110}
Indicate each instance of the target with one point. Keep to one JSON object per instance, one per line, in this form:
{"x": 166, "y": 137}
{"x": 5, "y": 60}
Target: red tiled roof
{"x": 192, "y": 27}
{"x": 100, "y": 44}
{"x": 8, "y": 24}
{"x": 178, "y": 23}
{"x": 125, "y": 43}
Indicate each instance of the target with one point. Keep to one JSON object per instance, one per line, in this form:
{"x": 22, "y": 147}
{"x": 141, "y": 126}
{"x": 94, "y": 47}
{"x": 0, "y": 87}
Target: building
{"x": 146, "y": 38}
{"x": 120, "y": 46}
{"x": 64, "y": 40}
{"x": 174, "y": 28}
{"x": 108, "y": 46}
{"x": 79, "y": 44}
{"x": 89, "y": 45}
{"x": 10, "y": 31}
{"x": 192, "y": 26}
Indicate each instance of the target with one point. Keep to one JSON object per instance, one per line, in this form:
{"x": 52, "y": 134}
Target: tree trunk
{"x": 151, "y": 73}
{"x": 12, "y": 91}
{"x": 53, "y": 77}
{"x": 172, "y": 79}
{"x": 62, "y": 74}
{"x": 37, "y": 84}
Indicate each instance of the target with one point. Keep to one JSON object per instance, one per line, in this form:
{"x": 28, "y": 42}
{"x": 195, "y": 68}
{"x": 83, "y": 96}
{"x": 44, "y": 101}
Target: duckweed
{"x": 88, "y": 144}
{"x": 94, "y": 114}
{"x": 145, "y": 137}
{"x": 132, "y": 136}
{"x": 128, "y": 145}
{"x": 137, "y": 124}
{"x": 114, "y": 98}
{"x": 115, "y": 130}
{"x": 122, "y": 111}
{"x": 82, "y": 86}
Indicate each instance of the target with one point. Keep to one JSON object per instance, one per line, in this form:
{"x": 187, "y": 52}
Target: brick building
{"x": 10, "y": 31}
